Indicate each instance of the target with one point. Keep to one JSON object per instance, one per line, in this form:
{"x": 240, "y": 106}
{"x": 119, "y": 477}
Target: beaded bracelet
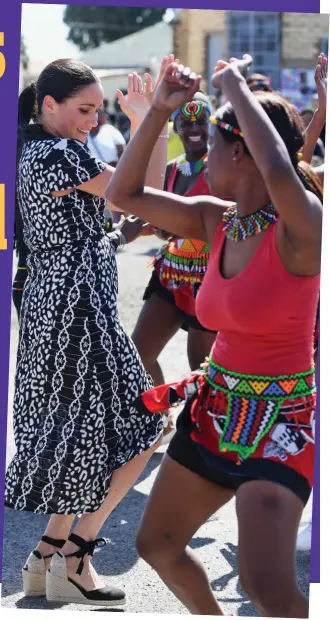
{"x": 164, "y": 135}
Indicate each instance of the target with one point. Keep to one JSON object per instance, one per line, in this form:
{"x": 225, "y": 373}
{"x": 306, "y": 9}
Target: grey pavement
{"x": 215, "y": 542}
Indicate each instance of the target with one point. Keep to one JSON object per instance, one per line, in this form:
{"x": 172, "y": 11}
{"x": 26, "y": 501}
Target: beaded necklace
{"x": 239, "y": 228}
{"x": 188, "y": 168}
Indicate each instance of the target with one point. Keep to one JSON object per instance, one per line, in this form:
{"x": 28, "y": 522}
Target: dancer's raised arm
{"x": 317, "y": 123}
{"x": 285, "y": 178}
{"x": 127, "y": 188}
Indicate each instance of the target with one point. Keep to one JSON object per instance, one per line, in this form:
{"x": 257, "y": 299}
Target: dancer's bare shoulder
{"x": 211, "y": 210}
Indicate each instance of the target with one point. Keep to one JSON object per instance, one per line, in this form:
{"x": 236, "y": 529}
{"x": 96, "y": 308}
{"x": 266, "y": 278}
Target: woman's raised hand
{"x": 177, "y": 87}
{"x": 134, "y": 104}
{"x": 149, "y": 88}
{"x": 236, "y": 65}
{"x": 321, "y": 81}
{"x": 140, "y": 94}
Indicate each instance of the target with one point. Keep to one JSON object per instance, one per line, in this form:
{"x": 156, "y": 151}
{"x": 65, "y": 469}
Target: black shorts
{"x": 156, "y": 287}
{"x": 225, "y": 472}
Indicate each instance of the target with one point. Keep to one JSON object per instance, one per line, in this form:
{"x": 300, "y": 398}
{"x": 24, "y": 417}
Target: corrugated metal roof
{"x": 140, "y": 47}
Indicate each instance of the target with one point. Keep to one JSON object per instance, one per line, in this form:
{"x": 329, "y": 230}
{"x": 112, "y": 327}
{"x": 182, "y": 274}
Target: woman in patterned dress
{"x": 80, "y": 441}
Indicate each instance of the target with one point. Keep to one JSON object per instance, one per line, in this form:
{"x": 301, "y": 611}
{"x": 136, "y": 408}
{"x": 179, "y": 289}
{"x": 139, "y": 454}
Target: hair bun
{"x": 27, "y": 104}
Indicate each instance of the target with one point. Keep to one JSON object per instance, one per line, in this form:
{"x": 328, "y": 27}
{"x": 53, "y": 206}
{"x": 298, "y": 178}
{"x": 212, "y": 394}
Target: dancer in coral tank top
{"x": 247, "y": 428}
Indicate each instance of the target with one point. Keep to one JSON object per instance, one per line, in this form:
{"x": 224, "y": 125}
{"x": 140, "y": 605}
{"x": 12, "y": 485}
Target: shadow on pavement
{"x": 230, "y": 553}
{"x": 23, "y": 531}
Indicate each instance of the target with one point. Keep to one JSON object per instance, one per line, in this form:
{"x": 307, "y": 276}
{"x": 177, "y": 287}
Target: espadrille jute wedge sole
{"x": 60, "y": 588}
{"x": 66, "y": 591}
{"x": 34, "y": 571}
{"x": 34, "y": 584}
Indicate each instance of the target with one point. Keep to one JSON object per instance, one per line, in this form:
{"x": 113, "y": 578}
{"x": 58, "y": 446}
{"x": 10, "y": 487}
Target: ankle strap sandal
{"x": 55, "y": 542}
{"x": 61, "y": 588}
{"x": 86, "y": 548}
{"x": 33, "y": 572}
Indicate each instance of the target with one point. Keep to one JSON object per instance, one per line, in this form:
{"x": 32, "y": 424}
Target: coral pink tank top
{"x": 265, "y": 316}
{"x": 189, "y": 248}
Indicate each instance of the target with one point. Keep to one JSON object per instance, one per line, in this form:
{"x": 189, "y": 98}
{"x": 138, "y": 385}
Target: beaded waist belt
{"x": 181, "y": 266}
{"x": 253, "y": 403}
{"x": 249, "y": 404}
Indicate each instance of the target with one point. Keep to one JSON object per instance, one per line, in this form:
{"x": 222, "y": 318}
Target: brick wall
{"x": 301, "y": 34}
{"x": 190, "y": 36}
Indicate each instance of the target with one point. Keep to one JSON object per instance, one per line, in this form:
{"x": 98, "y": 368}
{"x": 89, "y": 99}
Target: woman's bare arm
{"x": 312, "y": 135}
{"x": 300, "y": 210}
{"x": 317, "y": 123}
{"x": 184, "y": 217}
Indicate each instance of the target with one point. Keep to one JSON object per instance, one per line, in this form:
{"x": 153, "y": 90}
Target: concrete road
{"x": 215, "y": 543}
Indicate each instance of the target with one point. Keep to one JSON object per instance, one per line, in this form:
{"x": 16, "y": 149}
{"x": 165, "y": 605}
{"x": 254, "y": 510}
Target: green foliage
{"x": 24, "y": 56}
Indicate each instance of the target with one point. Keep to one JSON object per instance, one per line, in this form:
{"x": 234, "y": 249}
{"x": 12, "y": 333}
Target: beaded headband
{"x": 192, "y": 110}
{"x": 214, "y": 121}
{"x": 222, "y": 125}
{"x": 259, "y": 83}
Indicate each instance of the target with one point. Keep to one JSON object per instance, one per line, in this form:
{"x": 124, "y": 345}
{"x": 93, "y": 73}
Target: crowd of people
{"x": 239, "y": 209}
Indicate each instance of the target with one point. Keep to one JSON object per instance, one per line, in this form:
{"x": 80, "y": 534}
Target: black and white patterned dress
{"x": 78, "y": 373}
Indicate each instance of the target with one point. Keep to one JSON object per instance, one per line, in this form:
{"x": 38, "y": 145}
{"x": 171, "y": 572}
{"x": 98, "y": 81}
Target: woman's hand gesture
{"x": 321, "y": 81}
{"x": 140, "y": 94}
{"x": 177, "y": 87}
{"x": 235, "y": 65}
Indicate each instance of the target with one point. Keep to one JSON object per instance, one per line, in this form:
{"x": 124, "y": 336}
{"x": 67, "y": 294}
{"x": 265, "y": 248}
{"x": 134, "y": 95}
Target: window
{"x": 259, "y": 62}
{"x": 325, "y": 46}
{"x": 256, "y": 33}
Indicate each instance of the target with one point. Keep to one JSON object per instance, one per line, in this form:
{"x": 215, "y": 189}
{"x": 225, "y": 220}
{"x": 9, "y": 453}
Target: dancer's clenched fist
{"x": 178, "y": 86}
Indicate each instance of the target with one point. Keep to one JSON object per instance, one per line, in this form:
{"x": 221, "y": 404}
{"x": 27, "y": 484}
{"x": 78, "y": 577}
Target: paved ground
{"x": 216, "y": 541}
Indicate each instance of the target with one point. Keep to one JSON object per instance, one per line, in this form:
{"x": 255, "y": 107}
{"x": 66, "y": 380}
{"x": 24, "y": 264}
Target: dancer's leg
{"x": 268, "y": 520}
{"x": 158, "y": 322}
{"x": 180, "y": 502}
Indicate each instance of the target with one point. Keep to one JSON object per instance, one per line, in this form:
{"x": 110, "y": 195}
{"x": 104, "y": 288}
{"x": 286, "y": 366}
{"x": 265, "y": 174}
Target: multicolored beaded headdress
{"x": 219, "y": 123}
{"x": 259, "y": 84}
{"x": 192, "y": 110}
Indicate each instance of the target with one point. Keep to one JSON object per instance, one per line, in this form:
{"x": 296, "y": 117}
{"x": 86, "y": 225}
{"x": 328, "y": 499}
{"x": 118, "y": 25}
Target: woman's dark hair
{"x": 61, "y": 80}
{"x": 286, "y": 119}
{"x": 259, "y": 82}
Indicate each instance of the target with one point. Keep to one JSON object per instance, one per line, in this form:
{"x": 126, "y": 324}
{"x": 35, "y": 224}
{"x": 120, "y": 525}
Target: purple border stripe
{"x": 295, "y": 6}
{"x": 10, "y": 24}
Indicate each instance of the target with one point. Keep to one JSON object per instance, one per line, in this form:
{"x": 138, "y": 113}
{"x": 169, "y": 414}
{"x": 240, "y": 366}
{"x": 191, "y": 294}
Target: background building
{"x": 285, "y": 46}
